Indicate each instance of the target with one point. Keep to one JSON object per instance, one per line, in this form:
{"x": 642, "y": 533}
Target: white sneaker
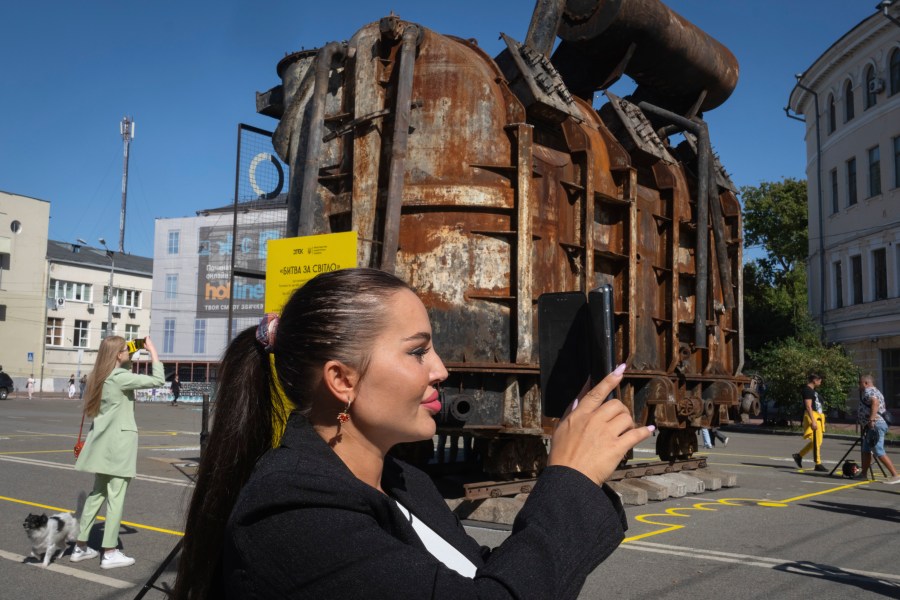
{"x": 79, "y": 555}
{"x": 892, "y": 480}
{"x": 114, "y": 559}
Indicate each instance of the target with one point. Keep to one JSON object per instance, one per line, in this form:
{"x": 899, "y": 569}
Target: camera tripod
{"x": 875, "y": 460}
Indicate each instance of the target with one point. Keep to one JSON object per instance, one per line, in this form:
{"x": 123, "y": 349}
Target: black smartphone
{"x": 576, "y": 344}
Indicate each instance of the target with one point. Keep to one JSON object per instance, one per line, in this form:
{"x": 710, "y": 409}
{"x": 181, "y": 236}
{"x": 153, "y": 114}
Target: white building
{"x": 78, "y": 308}
{"x": 853, "y": 173}
{"x": 192, "y": 284}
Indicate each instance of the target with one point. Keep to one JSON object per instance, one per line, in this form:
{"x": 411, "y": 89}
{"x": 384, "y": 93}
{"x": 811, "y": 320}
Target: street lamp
{"x": 111, "y": 255}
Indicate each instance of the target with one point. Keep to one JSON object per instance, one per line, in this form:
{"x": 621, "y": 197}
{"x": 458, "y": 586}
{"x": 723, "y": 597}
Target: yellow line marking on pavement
{"x": 666, "y": 527}
{"x": 99, "y": 518}
{"x": 96, "y": 578}
{"x": 837, "y": 489}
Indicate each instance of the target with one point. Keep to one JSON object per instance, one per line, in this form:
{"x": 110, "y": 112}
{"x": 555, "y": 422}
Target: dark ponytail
{"x": 241, "y": 434}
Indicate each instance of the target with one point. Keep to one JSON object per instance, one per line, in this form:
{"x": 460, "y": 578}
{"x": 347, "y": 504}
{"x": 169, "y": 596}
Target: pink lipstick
{"x": 433, "y": 403}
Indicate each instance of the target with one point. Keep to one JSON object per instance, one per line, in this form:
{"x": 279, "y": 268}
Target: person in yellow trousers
{"x": 813, "y": 422}
{"x": 110, "y": 450}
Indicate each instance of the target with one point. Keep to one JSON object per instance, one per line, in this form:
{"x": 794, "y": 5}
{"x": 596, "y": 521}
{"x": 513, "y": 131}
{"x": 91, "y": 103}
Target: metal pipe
{"x": 234, "y": 236}
{"x": 701, "y": 258}
{"x": 718, "y": 227}
{"x": 821, "y": 208}
{"x": 544, "y": 24}
{"x": 301, "y": 209}
{"x": 672, "y": 60}
{"x": 399, "y": 143}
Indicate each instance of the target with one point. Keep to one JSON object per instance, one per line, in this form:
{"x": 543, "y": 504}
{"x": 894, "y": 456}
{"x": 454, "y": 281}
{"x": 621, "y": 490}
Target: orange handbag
{"x": 80, "y": 443}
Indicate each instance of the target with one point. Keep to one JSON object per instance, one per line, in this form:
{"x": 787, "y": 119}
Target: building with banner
{"x": 209, "y": 269}
{"x": 192, "y": 283}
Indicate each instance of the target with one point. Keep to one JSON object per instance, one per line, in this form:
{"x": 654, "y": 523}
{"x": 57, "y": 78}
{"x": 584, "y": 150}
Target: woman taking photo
{"x": 110, "y": 450}
{"x": 328, "y": 514}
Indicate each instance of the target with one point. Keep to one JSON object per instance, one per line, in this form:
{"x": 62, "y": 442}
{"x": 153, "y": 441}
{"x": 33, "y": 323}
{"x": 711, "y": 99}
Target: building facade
{"x": 192, "y": 283}
{"x": 80, "y": 309}
{"x": 24, "y": 223}
{"x": 850, "y": 99}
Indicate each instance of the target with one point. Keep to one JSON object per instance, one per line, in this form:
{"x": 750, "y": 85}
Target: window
{"x": 849, "y": 109}
{"x": 199, "y": 336}
{"x": 54, "y": 332}
{"x": 856, "y": 274}
{"x": 879, "y": 274}
{"x": 169, "y": 335}
{"x": 851, "y": 182}
{"x": 80, "y": 334}
{"x": 4, "y": 259}
{"x": 838, "y": 286}
{"x": 832, "y": 121}
{"x": 131, "y": 332}
{"x": 897, "y": 162}
{"x": 103, "y": 333}
{"x": 895, "y": 71}
{"x": 874, "y": 171}
{"x": 870, "y": 97}
{"x": 171, "y": 286}
{"x": 172, "y": 247}
{"x": 835, "y": 204}
{"x": 70, "y": 290}
{"x": 130, "y": 299}
{"x": 890, "y": 371}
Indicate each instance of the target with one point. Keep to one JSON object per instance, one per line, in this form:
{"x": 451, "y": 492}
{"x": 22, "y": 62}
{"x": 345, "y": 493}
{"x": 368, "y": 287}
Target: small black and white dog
{"x": 50, "y": 536}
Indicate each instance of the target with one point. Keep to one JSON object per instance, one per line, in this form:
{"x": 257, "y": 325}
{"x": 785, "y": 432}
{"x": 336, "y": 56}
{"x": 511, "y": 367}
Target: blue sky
{"x": 187, "y": 72}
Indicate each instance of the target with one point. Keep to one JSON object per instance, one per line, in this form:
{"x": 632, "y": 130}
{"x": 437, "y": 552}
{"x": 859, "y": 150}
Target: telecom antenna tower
{"x": 126, "y": 128}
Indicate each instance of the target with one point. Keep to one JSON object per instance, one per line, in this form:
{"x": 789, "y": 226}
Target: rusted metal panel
{"x": 498, "y": 199}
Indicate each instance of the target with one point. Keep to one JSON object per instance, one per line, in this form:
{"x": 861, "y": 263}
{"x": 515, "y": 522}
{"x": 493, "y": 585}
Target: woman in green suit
{"x": 110, "y": 450}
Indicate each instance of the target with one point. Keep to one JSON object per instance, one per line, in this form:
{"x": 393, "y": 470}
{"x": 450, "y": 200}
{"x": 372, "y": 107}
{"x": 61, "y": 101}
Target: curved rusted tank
{"x": 485, "y": 183}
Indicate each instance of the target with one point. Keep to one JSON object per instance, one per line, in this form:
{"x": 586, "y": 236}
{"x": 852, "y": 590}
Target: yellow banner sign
{"x": 294, "y": 261}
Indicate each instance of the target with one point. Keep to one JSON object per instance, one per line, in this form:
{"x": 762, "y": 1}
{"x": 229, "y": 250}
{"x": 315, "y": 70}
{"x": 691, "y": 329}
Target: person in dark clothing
{"x": 296, "y": 495}
{"x": 176, "y": 390}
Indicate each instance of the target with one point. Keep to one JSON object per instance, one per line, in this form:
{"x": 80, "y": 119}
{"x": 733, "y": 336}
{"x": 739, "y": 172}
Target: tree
{"x": 775, "y": 288}
{"x": 784, "y": 366}
{"x": 775, "y": 217}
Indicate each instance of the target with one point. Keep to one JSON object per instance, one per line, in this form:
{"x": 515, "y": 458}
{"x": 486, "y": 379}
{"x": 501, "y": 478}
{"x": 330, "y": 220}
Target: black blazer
{"x": 305, "y": 527}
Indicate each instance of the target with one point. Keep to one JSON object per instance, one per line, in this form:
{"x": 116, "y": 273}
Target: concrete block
{"x": 631, "y": 495}
{"x": 490, "y": 510}
{"x": 728, "y": 479}
{"x": 711, "y": 480}
{"x": 691, "y": 484}
{"x": 675, "y": 488}
{"x": 655, "y": 491}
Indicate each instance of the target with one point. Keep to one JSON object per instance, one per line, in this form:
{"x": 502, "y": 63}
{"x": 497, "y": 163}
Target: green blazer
{"x": 112, "y": 443}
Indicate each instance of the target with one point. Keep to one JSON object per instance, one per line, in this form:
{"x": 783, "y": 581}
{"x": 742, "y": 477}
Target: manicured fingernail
{"x": 619, "y": 370}
{"x": 651, "y": 428}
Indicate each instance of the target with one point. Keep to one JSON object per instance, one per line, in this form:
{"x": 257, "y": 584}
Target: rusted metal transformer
{"x": 488, "y": 182}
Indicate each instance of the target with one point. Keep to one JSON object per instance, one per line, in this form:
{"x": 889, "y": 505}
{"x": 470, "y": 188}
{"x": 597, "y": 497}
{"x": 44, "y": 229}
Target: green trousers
{"x": 111, "y": 490}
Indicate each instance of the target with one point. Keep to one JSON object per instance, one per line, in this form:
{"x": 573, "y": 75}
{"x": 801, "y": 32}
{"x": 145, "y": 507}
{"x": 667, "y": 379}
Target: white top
{"x": 439, "y": 547}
